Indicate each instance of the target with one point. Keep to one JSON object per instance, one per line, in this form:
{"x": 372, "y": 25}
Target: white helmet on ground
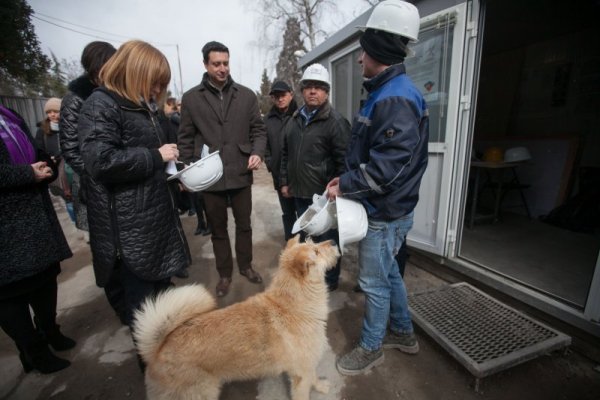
{"x": 316, "y": 72}
{"x": 397, "y": 17}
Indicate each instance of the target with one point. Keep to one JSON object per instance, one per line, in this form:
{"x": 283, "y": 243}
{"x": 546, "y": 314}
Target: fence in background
{"x": 30, "y": 108}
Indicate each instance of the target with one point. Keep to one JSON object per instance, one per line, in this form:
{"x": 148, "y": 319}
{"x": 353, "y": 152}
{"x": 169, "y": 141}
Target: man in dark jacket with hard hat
{"x": 384, "y": 166}
{"x": 315, "y": 141}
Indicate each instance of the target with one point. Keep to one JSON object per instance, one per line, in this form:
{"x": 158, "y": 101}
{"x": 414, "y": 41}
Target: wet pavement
{"x": 104, "y": 365}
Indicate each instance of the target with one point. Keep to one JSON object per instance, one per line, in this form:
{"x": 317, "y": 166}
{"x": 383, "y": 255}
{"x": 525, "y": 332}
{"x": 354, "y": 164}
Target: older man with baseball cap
{"x": 384, "y": 165}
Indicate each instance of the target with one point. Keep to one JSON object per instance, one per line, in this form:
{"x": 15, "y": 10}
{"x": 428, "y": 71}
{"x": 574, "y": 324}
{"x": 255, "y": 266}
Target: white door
{"x": 443, "y": 70}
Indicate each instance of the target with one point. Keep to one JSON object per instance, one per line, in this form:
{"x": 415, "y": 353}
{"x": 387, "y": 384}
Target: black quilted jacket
{"x": 31, "y": 239}
{"x": 131, "y": 212}
{"x": 79, "y": 90}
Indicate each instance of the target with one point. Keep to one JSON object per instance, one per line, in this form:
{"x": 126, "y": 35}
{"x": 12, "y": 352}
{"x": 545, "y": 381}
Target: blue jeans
{"x": 380, "y": 280}
{"x": 332, "y": 276}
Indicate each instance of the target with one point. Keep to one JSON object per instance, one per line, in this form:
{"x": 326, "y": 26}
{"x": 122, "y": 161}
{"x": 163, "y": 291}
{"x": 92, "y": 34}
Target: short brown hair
{"x": 134, "y": 69}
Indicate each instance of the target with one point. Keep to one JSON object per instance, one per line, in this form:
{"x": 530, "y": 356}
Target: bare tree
{"x": 308, "y": 13}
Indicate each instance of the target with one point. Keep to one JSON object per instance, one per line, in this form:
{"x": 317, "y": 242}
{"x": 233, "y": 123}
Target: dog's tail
{"x": 160, "y": 316}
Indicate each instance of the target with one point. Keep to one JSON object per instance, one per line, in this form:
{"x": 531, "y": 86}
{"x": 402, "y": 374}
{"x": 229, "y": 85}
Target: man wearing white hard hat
{"x": 384, "y": 165}
{"x": 314, "y": 144}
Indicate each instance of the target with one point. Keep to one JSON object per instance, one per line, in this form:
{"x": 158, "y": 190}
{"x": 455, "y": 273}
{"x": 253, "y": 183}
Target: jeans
{"x": 332, "y": 276}
{"x": 380, "y": 280}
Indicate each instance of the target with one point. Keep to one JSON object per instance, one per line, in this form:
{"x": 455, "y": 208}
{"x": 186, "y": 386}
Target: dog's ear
{"x": 293, "y": 241}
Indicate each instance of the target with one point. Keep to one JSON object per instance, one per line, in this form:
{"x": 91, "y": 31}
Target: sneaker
{"x": 359, "y": 361}
{"x": 405, "y": 342}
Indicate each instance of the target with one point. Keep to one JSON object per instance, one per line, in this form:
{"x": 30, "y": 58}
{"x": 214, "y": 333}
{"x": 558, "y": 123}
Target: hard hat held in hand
{"x": 318, "y": 218}
{"x": 352, "y": 222}
{"x": 348, "y": 216}
{"x": 316, "y": 72}
{"x": 397, "y": 17}
{"x": 202, "y": 174}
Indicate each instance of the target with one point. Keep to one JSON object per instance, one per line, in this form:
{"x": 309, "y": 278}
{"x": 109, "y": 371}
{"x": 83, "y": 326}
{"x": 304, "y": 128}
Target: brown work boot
{"x": 252, "y": 275}
{"x": 223, "y": 286}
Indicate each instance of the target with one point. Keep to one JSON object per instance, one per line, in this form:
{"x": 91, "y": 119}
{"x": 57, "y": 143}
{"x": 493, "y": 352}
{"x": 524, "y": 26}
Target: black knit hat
{"x": 384, "y": 47}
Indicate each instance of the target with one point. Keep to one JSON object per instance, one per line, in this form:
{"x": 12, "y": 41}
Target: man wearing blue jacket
{"x": 385, "y": 162}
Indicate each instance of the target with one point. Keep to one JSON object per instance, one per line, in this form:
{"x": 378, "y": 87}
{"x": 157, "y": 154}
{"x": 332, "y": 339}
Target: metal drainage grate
{"x": 483, "y": 334}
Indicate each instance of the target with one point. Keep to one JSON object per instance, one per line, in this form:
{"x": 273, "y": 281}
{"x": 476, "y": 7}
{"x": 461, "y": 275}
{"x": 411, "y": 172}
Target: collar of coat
{"x": 322, "y": 114}
{"x": 206, "y": 85}
{"x": 384, "y": 76}
{"x": 82, "y": 86}
{"x": 121, "y": 101}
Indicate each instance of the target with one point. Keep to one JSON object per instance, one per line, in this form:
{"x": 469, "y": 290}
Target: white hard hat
{"x": 202, "y": 174}
{"x": 397, "y": 17}
{"x": 318, "y": 218}
{"x": 316, "y": 72}
{"x": 352, "y": 222}
{"x": 516, "y": 154}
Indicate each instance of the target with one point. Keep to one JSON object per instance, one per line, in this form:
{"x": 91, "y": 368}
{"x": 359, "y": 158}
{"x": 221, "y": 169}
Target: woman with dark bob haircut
{"x": 93, "y": 58}
{"x": 135, "y": 232}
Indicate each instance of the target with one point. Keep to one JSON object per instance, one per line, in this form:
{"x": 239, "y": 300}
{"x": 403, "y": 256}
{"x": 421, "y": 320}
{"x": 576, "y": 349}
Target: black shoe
{"x": 39, "y": 357}
{"x": 206, "y": 232}
{"x": 332, "y": 286}
{"x": 54, "y": 337}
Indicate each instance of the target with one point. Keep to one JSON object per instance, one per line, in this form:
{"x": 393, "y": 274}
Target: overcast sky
{"x": 188, "y": 23}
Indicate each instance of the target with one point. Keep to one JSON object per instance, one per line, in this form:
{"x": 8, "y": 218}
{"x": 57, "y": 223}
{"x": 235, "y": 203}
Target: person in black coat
{"x": 32, "y": 246}
{"x": 135, "y": 231}
{"x": 283, "y": 108}
{"x": 93, "y": 57}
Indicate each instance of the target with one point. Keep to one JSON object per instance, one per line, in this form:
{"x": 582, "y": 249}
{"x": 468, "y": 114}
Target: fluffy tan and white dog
{"x": 191, "y": 348}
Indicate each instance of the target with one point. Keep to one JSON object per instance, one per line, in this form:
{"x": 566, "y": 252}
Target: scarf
{"x": 19, "y": 147}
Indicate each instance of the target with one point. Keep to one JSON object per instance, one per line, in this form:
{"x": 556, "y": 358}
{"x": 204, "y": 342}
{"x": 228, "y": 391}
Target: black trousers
{"x": 15, "y": 315}
{"x": 132, "y": 291}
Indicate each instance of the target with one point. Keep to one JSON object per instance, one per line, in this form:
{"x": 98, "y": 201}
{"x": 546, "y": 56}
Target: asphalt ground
{"x": 104, "y": 365}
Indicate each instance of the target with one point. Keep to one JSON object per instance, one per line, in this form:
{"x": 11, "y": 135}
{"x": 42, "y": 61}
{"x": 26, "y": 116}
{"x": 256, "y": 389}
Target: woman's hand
{"x": 169, "y": 152}
{"x": 41, "y": 171}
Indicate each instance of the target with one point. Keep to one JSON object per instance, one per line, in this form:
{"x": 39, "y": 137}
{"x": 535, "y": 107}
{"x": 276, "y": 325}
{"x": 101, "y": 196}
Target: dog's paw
{"x": 322, "y": 386}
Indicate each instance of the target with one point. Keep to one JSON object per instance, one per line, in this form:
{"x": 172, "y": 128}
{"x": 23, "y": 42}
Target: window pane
{"x": 340, "y": 85}
{"x": 429, "y": 70}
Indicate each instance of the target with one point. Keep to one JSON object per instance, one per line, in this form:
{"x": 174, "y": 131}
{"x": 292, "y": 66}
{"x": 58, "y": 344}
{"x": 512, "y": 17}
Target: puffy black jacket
{"x": 131, "y": 212}
{"x": 312, "y": 155}
{"x": 79, "y": 90}
{"x": 274, "y": 122}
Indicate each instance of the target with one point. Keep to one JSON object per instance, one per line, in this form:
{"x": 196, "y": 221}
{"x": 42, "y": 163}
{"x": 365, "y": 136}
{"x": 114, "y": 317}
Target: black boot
{"x": 53, "y": 336}
{"x": 38, "y": 356}
{"x": 57, "y": 340}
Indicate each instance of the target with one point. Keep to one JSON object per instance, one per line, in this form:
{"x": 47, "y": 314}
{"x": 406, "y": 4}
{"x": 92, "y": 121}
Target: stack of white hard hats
{"x": 202, "y": 174}
{"x": 348, "y": 216}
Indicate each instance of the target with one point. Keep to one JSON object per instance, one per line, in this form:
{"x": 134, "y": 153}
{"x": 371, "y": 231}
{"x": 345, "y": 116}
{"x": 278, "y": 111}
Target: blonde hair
{"x": 134, "y": 70}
